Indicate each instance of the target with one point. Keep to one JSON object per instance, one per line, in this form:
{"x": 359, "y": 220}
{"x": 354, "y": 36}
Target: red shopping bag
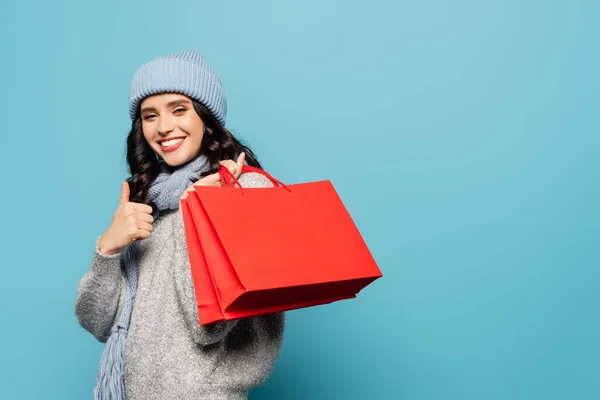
{"x": 261, "y": 250}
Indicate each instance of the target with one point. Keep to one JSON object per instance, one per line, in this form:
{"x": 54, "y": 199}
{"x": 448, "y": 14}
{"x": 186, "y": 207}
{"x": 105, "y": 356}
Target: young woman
{"x": 138, "y": 294}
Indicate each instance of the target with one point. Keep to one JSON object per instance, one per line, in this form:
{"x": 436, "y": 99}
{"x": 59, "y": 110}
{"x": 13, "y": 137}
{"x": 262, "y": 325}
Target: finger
{"x": 233, "y": 168}
{"x": 240, "y": 160}
{"x": 142, "y": 234}
{"x": 124, "y": 193}
{"x": 142, "y": 208}
{"x": 228, "y": 163}
{"x": 238, "y": 169}
{"x": 145, "y": 226}
{"x": 225, "y": 163}
{"x": 145, "y": 217}
{"x": 209, "y": 180}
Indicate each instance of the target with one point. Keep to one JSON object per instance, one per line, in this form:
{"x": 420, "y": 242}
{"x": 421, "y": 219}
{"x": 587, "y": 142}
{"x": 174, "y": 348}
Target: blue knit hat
{"x": 185, "y": 72}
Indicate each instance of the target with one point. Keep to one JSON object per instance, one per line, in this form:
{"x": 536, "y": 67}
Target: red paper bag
{"x": 261, "y": 250}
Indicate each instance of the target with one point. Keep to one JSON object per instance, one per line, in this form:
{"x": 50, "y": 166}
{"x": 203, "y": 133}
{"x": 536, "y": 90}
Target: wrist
{"x": 106, "y": 248}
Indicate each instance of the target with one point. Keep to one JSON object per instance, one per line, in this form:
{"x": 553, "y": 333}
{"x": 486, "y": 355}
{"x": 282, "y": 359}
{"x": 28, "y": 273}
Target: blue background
{"x": 462, "y": 136}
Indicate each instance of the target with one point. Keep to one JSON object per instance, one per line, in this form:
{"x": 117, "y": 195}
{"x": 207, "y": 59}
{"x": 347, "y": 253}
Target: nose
{"x": 165, "y": 125}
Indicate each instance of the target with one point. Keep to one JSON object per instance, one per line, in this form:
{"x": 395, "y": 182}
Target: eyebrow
{"x": 169, "y": 104}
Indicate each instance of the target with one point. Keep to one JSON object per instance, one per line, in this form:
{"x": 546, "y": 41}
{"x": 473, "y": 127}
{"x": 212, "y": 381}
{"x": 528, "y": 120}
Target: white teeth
{"x": 170, "y": 143}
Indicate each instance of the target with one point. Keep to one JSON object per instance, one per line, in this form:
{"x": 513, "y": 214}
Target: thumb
{"x": 124, "y": 193}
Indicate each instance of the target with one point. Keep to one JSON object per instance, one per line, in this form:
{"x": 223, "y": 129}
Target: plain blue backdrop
{"x": 463, "y": 137}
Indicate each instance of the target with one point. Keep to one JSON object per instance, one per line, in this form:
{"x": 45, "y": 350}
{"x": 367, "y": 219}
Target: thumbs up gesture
{"x": 131, "y": 222}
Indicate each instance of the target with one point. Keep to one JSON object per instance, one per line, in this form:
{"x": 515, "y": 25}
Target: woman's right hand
{"x": 131, "y": 222}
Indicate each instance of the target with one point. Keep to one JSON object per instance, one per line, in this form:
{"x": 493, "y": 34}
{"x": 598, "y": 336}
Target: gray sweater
{"x": 168, "y": 354}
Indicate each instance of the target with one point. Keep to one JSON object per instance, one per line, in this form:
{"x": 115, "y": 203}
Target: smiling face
{"x": 172, "y": 127}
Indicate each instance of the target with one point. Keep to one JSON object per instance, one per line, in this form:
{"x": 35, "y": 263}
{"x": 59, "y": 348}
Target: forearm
{"x": 100, "y": 293}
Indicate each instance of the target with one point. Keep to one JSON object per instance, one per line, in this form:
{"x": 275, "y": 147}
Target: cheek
{"x": 194, "y": 128}
{"x": 147, "y": 133}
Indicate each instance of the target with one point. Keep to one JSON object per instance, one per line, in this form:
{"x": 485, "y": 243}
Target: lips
{"x": 171, "y": 144}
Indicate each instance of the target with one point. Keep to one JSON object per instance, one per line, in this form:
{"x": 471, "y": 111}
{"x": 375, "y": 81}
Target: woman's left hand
{"x": 215, "y": 179}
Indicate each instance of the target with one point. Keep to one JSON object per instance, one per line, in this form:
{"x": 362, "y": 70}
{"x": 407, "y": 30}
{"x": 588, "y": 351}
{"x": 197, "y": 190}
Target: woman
{"x": 138, "y": 294}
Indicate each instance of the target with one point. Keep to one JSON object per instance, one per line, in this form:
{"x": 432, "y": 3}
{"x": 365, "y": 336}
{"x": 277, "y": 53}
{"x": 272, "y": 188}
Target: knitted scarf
{"x": 165, "y": 192}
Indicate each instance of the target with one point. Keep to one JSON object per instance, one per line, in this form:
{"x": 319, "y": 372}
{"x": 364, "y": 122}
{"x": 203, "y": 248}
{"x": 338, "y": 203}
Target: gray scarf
{"x": 165, "y": 192}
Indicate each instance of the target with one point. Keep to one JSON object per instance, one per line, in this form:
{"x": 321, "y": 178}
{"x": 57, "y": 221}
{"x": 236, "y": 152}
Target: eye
{"x": 147, "y": 117}
{"x": 180, "y": 109}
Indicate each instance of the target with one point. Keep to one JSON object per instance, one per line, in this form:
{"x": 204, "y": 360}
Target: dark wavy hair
{"x": 144, "y": 166}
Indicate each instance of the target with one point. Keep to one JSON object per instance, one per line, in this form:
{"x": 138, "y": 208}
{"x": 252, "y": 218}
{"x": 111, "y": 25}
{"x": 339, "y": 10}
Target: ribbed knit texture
{"x": 185, "y": 72}
{"x": 111, "y": 371}
{"x": 168, "y": 186}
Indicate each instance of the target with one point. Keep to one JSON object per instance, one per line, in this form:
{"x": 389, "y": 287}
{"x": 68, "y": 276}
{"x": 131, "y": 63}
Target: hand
{"x": 214, "y": 179}
{"x": 131, "y": 222}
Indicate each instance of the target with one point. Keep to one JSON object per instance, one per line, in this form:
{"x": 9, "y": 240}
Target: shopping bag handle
{"x": 226, "y": 177}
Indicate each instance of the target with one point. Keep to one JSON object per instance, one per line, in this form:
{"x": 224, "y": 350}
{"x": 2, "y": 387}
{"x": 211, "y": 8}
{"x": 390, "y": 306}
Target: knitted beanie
{"x": 185, "y": 72}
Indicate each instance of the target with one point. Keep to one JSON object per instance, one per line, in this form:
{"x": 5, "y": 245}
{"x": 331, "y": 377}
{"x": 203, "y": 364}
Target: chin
{"x": 174, "y": 161}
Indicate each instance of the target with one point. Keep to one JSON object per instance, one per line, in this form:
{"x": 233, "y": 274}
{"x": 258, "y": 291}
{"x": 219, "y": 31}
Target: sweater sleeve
{"x": 100, "y": 294}
{"x": 211, "y": 333}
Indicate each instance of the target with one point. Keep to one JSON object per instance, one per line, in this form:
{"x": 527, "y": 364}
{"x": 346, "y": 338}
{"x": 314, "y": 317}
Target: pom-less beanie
{"x": 185, "y": 72}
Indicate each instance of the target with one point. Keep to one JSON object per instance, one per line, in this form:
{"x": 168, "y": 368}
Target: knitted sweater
{"x": 168, "y": 354}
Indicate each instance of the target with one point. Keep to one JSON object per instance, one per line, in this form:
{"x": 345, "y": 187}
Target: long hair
{"x": 217, "y": 144}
